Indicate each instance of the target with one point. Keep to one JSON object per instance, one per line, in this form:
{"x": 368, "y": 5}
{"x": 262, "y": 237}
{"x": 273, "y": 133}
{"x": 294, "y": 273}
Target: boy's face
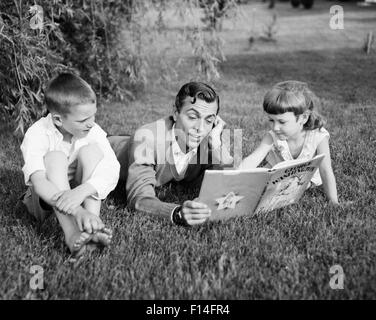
{"x": 286, "y": 125}
{"x": 194, "y": 122}
{"x": 78, "y": 122}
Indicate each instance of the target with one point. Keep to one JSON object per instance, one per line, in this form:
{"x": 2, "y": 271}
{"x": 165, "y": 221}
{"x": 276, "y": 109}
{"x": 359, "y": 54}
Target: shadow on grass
{"x": 173, "y": 192}
{"x": 15, "y": 215}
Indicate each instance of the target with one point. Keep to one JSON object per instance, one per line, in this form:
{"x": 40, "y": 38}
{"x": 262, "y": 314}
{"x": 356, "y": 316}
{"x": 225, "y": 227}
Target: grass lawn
{"x": 285, "y": 254}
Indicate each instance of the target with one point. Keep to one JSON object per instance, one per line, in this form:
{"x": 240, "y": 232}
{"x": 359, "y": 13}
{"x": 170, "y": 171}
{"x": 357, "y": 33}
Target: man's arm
{"x": 141, "y": 180}
{"x": 141, "y": 184}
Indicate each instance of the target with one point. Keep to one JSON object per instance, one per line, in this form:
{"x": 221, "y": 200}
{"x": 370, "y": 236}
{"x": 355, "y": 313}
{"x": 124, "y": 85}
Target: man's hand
{"x": 69, "y": 200}
{"x": 215, "y": 140}
{"x": 195, "y": 212}
{"x": 88, "y": 221}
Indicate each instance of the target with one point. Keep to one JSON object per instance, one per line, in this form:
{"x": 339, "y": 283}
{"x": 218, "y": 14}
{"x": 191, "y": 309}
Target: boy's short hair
{"x": 196, "y": 90}
{"x": 67, "y": 91}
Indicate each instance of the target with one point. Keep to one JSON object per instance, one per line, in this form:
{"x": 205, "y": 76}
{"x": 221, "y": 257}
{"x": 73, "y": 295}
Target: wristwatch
{"x": 177, "y": 217}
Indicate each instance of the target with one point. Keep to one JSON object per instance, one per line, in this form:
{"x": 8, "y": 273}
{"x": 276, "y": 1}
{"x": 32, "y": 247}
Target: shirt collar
{"x": 50, "y": 126}
{"x": 52, "y": 130}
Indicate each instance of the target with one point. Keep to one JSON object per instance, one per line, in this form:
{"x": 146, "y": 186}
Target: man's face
{"x": 78, "y": 122}
{"x": 194, "y": 122}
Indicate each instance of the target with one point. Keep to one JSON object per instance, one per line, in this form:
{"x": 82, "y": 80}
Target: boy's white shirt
{"x": 181, "y": 159}
{"x": 43, "y": 137}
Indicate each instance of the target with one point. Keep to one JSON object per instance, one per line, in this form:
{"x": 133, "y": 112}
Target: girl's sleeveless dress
{"x": 280, "y": 150}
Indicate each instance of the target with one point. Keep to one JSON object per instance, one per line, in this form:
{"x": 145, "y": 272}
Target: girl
{"x": 297, "y": 133}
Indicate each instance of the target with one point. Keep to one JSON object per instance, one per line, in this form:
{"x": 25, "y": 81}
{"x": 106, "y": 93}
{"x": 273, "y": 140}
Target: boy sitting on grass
{"x": 69, "y": 164}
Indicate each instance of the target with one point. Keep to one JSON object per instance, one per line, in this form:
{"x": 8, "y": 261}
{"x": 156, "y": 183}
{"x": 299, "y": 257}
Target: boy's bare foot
{"x": 77, "y": 243}
{"x": 81, "y": 242}
{"x": 102, "y": 237}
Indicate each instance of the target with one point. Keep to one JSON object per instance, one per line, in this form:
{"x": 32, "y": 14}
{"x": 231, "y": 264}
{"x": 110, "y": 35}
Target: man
{"x": 177, "y": 148}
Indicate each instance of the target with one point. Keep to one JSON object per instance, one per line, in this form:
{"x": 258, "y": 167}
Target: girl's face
{"x": 287, "y": 125}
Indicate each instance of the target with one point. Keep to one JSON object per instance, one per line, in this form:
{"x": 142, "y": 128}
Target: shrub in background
{"x": 80, "y": 36}
{"x": 27, "y": 58}
{"x": 307, "y": 4}
{"x": 295, "y": 3}
{"x": 101, "y": 40}
{"x": 215, "y": 11}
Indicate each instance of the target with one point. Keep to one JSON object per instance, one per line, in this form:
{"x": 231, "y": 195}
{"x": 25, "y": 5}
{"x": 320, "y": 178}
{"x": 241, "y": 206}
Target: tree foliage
{"x": 101, "y": 40}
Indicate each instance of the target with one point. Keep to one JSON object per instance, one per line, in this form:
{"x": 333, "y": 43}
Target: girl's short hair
{"x": 196, "y": 90}
{"x": 67, "y": 91}
{"x": 293, "y": 96}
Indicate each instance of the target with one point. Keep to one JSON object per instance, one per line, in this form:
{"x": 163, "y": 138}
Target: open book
{"x": 231, "y": 193}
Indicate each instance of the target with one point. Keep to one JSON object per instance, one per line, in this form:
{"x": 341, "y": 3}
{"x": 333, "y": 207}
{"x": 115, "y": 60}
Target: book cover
{"x": 287, "y": 183}
{"x": 231, "y": 193}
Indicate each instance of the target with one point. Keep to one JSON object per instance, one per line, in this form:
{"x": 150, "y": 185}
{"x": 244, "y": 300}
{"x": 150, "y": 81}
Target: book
{"x": 231, "y": 193}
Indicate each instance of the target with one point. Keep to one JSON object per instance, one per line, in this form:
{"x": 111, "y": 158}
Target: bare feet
{"x": 102, "y": 237}
{"x": 76, "y": 243}
{"x": 80, "y": 242}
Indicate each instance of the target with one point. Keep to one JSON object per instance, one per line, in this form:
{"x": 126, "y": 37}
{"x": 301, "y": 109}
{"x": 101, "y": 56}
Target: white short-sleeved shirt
{"x": 280, "y": 150}
{"x": 43, "y": 137}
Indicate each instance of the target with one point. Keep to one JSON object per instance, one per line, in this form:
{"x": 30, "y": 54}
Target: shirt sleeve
{"x": 141, "y": 180}
{"x": 34, "y": 147}
{"x": 322, "y": 133}
{"x": 106, "y": 174}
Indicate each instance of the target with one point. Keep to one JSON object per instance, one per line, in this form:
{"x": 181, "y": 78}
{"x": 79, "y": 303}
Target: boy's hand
{"x": 195, "y": 212}
{"x": 67, "y": 201}
{"x": 215, "y": 140}
{"x": 88, "y": 222}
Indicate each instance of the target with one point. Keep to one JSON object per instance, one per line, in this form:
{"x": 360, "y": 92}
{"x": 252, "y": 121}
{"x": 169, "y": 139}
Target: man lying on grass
{"x": 69, "y": 164}
{"x": 177, "y": 148}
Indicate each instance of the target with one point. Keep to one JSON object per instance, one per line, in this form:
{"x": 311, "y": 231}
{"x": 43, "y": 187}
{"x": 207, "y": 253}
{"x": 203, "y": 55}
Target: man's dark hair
{"x": 196, "y": 90}
{"x": 67, "y": 91}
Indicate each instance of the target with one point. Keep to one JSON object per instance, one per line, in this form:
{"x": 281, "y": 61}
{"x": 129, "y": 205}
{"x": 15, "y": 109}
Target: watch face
{"x": 178, "y": 217}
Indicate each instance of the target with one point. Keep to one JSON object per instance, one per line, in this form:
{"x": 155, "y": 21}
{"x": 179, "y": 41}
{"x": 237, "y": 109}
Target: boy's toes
{"x": 77, "y": 242}
{"x": 107, "y": 231}
{"x": 83, "y": 238}
{"x": 102, "y": 238}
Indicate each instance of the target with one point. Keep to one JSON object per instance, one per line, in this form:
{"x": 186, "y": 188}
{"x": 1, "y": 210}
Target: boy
{"x": 69, "y": 164}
